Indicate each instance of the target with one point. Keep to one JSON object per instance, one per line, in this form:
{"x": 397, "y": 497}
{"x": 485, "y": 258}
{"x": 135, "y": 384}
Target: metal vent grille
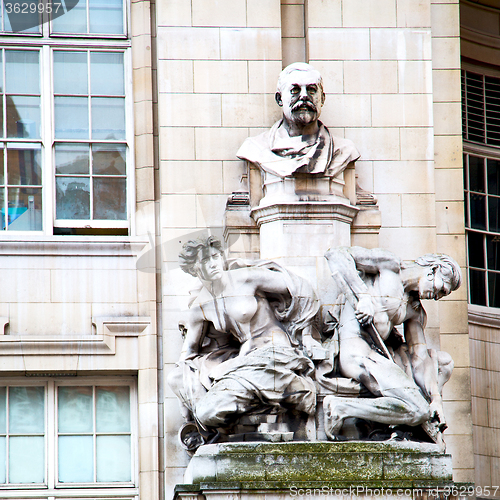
{"x": 481, "y": 108}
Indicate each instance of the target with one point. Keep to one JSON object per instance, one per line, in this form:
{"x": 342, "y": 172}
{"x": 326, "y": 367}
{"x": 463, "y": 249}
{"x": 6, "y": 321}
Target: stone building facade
{"x": 102, "y": 183}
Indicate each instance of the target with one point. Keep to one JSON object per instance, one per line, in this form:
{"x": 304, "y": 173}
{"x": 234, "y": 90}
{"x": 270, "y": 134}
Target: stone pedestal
{"x": 337, "y": 470}
{"x": 298, "y": 233}
{"x": 303, "y": 228}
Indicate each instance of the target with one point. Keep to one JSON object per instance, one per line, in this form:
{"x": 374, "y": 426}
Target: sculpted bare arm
{"x": 265, "y": 280}
{"x": 195, "y": 328}
{"x": 425, "y": 370}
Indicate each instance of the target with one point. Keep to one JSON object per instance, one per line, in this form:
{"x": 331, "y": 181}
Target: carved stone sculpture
{"x": 240, "y": 354}
{"x": 260, "y": 354}
{"x": 405, "y": 377}
{"x": 299, "y": 143}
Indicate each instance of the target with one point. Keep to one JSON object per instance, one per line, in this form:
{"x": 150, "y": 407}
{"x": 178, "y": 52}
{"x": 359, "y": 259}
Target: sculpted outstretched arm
{"x": 266, "y": 280}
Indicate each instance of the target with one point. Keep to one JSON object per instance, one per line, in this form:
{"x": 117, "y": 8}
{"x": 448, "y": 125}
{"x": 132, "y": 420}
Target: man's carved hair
{"x": 448, "y": 267}
{"x": 190, "y": 249}
{"x": 299, "y": 66}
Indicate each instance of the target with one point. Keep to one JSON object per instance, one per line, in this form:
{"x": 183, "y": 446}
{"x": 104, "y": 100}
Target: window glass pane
{"x": 25, "y": 209}
{"x": 106, "y": 16}
{"x": 21, "y": 72}
{"x": 70, "y": 72}
{"x": 494, "y": 289}
{"x": 108, "y": 159}
{"x": 475, "y": 249}
{"x": 72, "y": 118}
{"x": 493, "y": 215}
{"x": 113, "y": 458}
{"x": 3, "y": 460}
{"x": 3, "y": 222}
{"x": 466, "y": 170}
{"x": 477, "y": 287}
{"x": 106, "y": 73}
{"x": 2, "y": 132}
{"x": 75, "y": 19}
{"x": 23, "y": 116}
{"x": 23, "y": 167}
{"x": 110, "y": 199}
{"x": 72, "y": 197}
{"x": 72, "y": 158}
{"x": 76, "y": 459}
{"x": 493, "y": 176}
{"x": 108, "y": 118}
{"x": 476, "y": 174}
{"x": 75, "y": 409}
{"x": 3, "y": 410}
{"x": 26, "y": 22}
{"x": 26, "y": 459}
{"x": 493, "y": 248}
{"x": 466, "y": 209}
{"x": 26, "y": 409}
{"x": 113, "y": 409}
{"x": 478, "y": 211}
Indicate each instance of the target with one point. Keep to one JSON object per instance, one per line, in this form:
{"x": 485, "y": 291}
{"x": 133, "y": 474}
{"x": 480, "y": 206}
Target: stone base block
{"x": 337, "y": 462}
{"x": 337, "y": 470}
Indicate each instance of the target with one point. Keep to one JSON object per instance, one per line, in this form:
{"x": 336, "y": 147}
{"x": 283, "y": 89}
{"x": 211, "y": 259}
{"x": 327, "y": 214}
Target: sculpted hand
{"x": 365, "y": 310}
{"x": 437, "y": 414}
{"x": 311, "y": 346}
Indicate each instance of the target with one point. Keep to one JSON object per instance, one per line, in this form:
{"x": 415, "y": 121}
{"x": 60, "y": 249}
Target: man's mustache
{"x": 303, "y": 103}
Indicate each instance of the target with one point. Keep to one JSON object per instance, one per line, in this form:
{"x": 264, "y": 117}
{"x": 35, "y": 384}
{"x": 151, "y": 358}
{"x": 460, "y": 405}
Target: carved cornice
{"x": 103, "y": 343}
{"x": 304, "y": 211}
{"x": 480, "y": 38}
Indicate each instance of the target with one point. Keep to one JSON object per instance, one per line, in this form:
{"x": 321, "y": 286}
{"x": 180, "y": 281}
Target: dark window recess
{"x": 494, "y": 289}
{"x": 475, "y": 249}
{"x": 477, "y": 287}
{"x": 481, "y": 108}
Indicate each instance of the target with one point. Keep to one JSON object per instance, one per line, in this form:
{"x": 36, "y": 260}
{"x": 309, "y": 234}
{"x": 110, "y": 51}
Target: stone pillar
{"x": 303, "y": 228}
{"x": 299, "y": 219}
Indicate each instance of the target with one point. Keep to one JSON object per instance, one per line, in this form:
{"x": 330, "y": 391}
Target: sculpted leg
{"x": 386, "y": 410}
{"x": 222, "y": 404}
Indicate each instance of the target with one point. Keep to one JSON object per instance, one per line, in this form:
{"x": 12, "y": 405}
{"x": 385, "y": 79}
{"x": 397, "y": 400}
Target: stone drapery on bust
{"x": 299, "y": 142}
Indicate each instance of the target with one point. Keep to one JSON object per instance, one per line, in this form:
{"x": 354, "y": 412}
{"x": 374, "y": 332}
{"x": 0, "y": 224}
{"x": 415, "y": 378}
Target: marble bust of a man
{"x": 299, "y": 143}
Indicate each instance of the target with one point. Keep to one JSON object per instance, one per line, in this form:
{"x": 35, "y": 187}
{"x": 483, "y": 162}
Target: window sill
{"x": 484, "y": 316}
{"x": 33, "y": 244}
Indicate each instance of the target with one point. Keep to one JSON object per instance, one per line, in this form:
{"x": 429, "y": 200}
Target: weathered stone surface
{"x": 388, "y": 463}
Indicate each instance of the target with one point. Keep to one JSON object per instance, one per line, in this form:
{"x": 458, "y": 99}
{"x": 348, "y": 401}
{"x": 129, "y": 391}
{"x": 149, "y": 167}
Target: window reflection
{"x": 20, "y": 162}
{"x": 91, "y": 181}
{"x": 94, "y": 443}
{"x": 21, "y": 189}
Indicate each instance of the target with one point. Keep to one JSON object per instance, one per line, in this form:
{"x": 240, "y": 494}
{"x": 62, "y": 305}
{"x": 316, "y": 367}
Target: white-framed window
{"x": 66, "y": 136}
{"x": 68, "y": 434}
{"x": 481, "y": 130}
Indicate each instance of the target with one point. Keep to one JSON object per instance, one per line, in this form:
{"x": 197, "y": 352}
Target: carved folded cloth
{"x": 271, "y": 379}
{"x": 279, "y": 154}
